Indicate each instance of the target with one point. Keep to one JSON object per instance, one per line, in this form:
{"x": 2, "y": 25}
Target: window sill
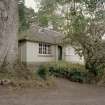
{"x": 45, "y": 55}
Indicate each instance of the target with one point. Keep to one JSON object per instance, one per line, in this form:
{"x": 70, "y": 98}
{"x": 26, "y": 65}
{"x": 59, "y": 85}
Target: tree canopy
{"x": 26, "y": 16}
{"x": 83, "y": 22}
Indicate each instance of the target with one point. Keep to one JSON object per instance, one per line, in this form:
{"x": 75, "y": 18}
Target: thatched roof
{"x": 38, "y": 34}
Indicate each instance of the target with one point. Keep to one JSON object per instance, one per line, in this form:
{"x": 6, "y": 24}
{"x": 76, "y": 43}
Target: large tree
{"x": 26, "y": 16}
{"x": 8, "y": 33}
{"x": 83, "y": 23}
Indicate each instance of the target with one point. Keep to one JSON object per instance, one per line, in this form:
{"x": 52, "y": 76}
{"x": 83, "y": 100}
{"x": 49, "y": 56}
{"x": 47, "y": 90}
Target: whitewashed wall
{"x": 34, "y": 56}
{"x": 29, "y": 53}
{"x": 71, "y": 56}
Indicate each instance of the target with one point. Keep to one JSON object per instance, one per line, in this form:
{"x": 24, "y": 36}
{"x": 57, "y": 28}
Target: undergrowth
{"x": 73, "y": 72}
{"x": 21, "y": 77}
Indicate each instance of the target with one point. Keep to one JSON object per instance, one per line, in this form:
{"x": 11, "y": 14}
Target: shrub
{"x": 43, "y": 72}
{"x": 73, "y": 72}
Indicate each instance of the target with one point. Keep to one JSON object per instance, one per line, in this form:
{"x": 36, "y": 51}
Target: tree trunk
{"x": 8, "y": 32}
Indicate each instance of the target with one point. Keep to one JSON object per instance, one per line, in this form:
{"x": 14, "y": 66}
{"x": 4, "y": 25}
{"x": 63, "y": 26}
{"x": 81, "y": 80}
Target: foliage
{"x": 23, "y": 25}
{"x": 43, "y": 72}
{"x": 73, "y": 72}
{"x": 26, "y": 16}
{"x": 83, "y": 22}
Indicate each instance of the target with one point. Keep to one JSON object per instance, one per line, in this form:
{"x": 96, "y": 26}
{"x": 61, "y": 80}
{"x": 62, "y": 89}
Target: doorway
{"x": 59, "y": 52}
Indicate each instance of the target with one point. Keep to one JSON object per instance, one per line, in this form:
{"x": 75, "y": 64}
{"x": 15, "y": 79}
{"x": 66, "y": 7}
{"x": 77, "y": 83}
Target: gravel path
{"x": 65, "y": 93}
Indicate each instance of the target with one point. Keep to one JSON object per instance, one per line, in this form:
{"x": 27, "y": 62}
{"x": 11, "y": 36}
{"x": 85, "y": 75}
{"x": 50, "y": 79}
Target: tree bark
{"x": 8, "y": 32}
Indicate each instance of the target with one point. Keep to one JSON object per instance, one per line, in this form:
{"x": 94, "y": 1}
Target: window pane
{"x": 47, "y": 49}
{"x": 44, "y": 48}
{"x": 40, "y": 48}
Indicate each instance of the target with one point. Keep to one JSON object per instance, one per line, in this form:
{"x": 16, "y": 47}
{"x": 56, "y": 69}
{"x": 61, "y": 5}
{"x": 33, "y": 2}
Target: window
{"x": 44, "y": 48}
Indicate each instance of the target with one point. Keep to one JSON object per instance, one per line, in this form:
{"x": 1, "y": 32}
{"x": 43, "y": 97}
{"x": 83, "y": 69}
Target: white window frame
{"x": 44, "y": 48}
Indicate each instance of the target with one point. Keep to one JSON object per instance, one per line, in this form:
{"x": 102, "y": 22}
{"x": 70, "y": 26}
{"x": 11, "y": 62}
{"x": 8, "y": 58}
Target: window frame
{"x": 44, "y": 48}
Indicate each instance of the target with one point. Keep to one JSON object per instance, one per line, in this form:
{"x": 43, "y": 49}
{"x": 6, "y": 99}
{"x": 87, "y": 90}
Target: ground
{"x": 64, "y": 93}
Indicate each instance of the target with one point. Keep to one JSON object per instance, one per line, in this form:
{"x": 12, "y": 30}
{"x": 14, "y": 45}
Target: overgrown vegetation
{"x": 43, "y": 72}
{"x": 22, "y": 77}
{"x": 83, "y": 23}
{"x": 73, "y": 72}
{"x": 26, "y": 16}
{"x": 20, "y": 72}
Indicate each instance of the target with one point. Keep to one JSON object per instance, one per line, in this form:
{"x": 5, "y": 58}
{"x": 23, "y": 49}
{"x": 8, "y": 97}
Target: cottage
{"x": 38, "y": 45}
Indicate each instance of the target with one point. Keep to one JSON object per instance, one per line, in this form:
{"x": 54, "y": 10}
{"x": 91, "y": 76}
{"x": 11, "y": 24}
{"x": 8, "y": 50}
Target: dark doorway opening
{"x": 59, "y": 53}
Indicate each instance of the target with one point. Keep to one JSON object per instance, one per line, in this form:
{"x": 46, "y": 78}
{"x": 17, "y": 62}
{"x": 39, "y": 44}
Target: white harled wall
{"x": 71, "y": 56}
{"x": 29, "y": 53}
{"x": 34, "y": 56}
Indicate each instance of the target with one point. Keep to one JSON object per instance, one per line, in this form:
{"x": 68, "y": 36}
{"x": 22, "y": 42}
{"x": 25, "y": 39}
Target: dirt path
{"x": 65, "y": 93}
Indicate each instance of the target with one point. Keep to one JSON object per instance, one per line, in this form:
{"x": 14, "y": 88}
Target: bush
{"x": 43, "y": 72}
{"x": 73, "y": 72}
